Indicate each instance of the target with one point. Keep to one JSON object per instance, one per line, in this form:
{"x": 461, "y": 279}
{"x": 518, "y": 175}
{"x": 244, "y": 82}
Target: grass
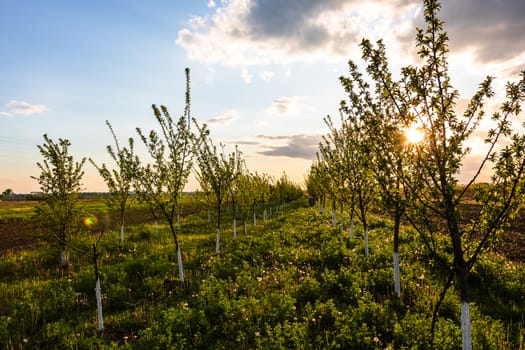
{"x": 291, "y": 283}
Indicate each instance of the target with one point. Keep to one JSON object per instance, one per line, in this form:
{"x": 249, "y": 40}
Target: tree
{"x": 218, "y": 170}
{"x": 60, "y": 183}
{"x": 6, "y": 193}
{"x": 346, "y": 153}
{"x": 388, "y": 147}
{"x": 161, "y": 182}
{"x": 245, "y": 195}
{"x": 119, "y": 180}
{"x": 424, "y": 96}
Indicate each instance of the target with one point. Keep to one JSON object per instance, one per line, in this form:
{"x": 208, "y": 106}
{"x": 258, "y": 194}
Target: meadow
{"x": 292, "y": 282}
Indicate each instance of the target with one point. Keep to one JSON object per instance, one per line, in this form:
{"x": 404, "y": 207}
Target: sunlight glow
{"x": 414, "y": 134}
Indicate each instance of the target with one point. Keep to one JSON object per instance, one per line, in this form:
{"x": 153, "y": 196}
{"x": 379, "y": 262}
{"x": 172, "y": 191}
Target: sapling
{"x": 161, "y": 182}
{"x": 60, "y": 183}
{"x": 217, "y": 170}
{"x": 119, "y": 181}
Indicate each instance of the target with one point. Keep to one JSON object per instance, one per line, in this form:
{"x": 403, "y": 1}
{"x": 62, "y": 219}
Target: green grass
{"x": 291, "y": 283}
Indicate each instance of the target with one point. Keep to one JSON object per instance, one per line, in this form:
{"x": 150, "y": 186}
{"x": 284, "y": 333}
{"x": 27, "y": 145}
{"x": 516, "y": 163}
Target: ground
{"x": 18, "y": 234}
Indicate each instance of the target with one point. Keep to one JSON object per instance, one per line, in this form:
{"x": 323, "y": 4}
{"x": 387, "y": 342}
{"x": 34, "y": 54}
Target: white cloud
{"x": 289, "y": 106}
{"x": 246, "y": 76}
{"x": 211, "y": 4}
{"x": 223, "y": 119}
{"x": 249, "y": 32}
{"x": 266, "y": 75}
{"x": 15, "y": 107}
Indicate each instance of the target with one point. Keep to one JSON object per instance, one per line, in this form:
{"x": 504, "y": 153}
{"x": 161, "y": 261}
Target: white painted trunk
{"x": 334, "y": 217}
{"x": 351, "y": 228}
{"x": 179, "y": 262}
{"x": 466, "y": 336}
{"x": 397, "y": 282}
{"x": 341, "y": 224}
{"x": 64, "y": 257}
{"x": 270, "y": 212}
{"x": 98, "y": 294}
{"x": 321, "y": 209}
{"x": 245, "y": 228}
{"x": 178, "y": 221}
{"x": 265, "y": 215}
{"x": 366, "y": 242}
{"x": 217, "y": 241}
{"x": 235, "y": 229}
{"x": 122, "y": 235}
{"x": 156, "y": 229}
{"x": 254, "y": 219}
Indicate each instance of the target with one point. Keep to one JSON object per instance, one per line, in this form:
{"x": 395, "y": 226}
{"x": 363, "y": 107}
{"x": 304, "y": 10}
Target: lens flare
{"x": 90, "y": 221}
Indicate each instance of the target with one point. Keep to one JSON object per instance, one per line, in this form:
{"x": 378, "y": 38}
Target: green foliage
{"x": 297, "y": 283}
{"x": 119, "y": 180}
{"x": 60, "y": 183}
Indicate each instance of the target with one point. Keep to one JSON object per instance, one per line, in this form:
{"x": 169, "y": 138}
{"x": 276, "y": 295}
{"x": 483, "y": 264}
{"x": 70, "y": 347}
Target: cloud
{"x": 225, "y": 118}
{"x": 266, "y": 75}
{"x": 295, "y": 146}
{"x": 289, "y": 106}
{"x": 249, "y": 32}
{"x": 255, "y": 32}
{"x": 489, "y": 31}
{"x": 15, "y": 107}
{"x": 246, "y": 76}
{"x": 211, "y": 4}
{"x": 492, "y": 29}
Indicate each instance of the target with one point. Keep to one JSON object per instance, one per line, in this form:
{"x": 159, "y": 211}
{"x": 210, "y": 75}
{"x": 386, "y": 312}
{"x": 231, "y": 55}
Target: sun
{"x": 413, "y": 134}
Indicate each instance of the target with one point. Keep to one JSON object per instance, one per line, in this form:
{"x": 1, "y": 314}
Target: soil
{"x": 18, "y": 234}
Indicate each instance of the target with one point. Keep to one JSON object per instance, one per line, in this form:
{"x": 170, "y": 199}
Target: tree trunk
{"x": 64, "y": 257}
{"x": 121, "y": 235}
{"x": 156, "y": 229}
{"x": 179, "y": 262}
{"x": 98, "y": 293}
{"x": 466, "y": 336}
{"x": 342, "y": 220}
{"x": 217, "y": 241}
{"x": 245, "y": 228}
{"x": 234, "y": 229}
{"x": 462, "y": 276}
{"x": 351, "y": 228}
{"x": 100, "y": 318}
{"x": 397, "y": 282}
{"x": 365, "y": 228}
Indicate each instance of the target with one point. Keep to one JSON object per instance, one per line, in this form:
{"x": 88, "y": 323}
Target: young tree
{"x": 161, "y": 182}
{"x": 60, "y": 183}
{"x": 218, "y": 170}
{"x": 424, "y": 96}
{"x": 119, "y": 180}
{"x": 245, "y": 195}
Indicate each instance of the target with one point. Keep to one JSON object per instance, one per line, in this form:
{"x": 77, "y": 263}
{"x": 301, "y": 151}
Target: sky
{"x": 264, "y": 73}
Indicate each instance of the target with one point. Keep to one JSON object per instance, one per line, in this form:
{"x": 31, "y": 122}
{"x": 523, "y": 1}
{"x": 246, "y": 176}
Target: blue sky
{"x": 264, "y": 73}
